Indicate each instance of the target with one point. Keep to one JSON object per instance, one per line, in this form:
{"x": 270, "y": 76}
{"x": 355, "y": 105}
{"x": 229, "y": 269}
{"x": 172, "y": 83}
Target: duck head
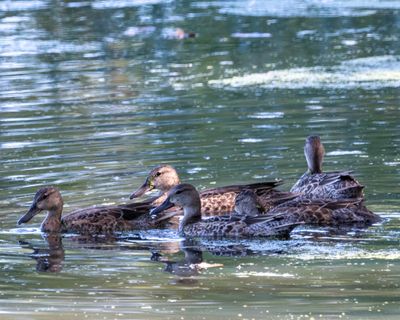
{"x": 314, "y": 152}
{"x": 163, "y": 178}
{"x": 48, "y": 198}
{"x": 246, "y": 203}
{"x": 186, "y": 196}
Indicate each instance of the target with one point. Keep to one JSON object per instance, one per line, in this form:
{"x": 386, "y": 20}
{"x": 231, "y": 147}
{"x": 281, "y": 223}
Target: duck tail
{"x": 352, "y": 191}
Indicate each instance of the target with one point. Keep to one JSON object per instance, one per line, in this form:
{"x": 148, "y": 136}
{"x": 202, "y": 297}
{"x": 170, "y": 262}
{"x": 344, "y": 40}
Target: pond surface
{"x": 96, "y": 93}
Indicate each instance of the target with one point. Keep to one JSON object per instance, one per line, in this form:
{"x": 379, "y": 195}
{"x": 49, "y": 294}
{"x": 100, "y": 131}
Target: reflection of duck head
{"x": 186, "y": 267}
{"x": 48, "y": 259}
{"x": 182, "y": 268}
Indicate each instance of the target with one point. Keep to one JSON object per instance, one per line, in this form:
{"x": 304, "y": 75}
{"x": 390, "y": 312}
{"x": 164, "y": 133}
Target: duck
{"x": 215, "y": 201}
{"x": 186, "y": 196}
{"x": 326, "y": 212}
{"x": 317, "y": 184}
{"x": 94, "y": 220}
{"x": 304, "y": 210}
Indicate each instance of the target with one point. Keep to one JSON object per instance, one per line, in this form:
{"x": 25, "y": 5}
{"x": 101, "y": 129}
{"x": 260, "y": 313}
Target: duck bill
{"x": 162, "y": 207}
{"x": 146, "y": 186}
{"x": 33, "y": 211}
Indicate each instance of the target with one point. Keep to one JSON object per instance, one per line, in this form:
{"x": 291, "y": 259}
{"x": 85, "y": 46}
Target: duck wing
{"x": 336, "y": 185}
{"x": 95, "y": 220}
{"x": 257, "y": 187}
{"x": 221, "y": 200}
{"x": 326, "y": 211}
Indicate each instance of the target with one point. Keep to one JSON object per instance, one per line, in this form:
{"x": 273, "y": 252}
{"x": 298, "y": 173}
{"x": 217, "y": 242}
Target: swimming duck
{"x": 192, "y": 225}
{"x": 326, "y": 212}
{"x": 323, "y": 212}
{"x": 216, "y": 201}
{"x": 96, "y": 220}
{"x": 316, "y": 184}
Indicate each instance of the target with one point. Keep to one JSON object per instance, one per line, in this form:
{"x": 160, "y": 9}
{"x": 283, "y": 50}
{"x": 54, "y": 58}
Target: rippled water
{"x": 95, "y": 93}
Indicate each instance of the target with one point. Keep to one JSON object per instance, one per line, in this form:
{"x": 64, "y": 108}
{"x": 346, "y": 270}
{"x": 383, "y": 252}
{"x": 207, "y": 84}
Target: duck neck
{"x": 191, "y": 214}
{"x": 52, "y": 222}
{"x": 314, "y": 156}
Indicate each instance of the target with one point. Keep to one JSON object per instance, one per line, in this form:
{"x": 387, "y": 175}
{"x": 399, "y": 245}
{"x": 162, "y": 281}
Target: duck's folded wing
{"x": 267, "y": 185}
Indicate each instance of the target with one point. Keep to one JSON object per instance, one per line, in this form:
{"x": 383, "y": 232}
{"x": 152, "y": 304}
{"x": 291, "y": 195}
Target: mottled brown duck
{"x": 317, "y": 184}
{"x": 95, "y": 220}
{"x": 327, "y": 212}
{"x": 192, "y": 224}
{"x": 321, "y": 212}
{"x": 216, "y": 201}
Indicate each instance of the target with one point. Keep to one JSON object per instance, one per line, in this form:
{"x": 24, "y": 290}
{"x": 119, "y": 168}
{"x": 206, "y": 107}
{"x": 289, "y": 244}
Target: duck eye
{"x": 158, "y": 174}
{"x": 178, "y": 192}
{"x": 43, "y": 197}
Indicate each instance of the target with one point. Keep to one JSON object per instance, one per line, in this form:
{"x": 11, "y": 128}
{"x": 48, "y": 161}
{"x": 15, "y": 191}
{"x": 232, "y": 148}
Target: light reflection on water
{"x": 96, "y": 93}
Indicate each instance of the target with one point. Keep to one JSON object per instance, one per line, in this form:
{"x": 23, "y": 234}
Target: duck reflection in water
{"x": 50, "y": 258}
{"x": 191, "y": 265}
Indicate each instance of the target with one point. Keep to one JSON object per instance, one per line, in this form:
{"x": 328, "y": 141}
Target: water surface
{"x": 96, "y": 93}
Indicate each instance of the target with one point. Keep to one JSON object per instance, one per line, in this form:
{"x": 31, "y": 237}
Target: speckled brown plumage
{"x": 221, "y": 200}
{"x": 96, "y": 220}
{"x": 215, "y": 201}
{"x": 333, "y": 185}
{"x": 186, "y": 196}
{"x": 107, "y": 220}
{"x": 315, "y": 184}
{"x": 325, "y": 212}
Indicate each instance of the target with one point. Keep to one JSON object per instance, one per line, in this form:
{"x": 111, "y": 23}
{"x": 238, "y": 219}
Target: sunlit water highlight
{"x": 365, "y": 73}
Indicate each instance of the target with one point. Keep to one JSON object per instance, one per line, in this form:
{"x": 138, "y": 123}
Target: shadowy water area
{"x": 96, "y": 93}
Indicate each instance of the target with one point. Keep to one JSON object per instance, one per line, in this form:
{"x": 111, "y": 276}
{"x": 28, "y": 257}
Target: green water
{"x": 96, "y": 93}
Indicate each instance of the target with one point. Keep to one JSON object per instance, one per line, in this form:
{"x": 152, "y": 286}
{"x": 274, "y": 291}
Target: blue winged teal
{"x": 322, "y": 212}
{"x": 95, "y": 220}
{"x": 192, "y": 224}
{"x": 316, "y": 184}
{"x": 326, "y": 212}
{"x": 216, "y": 201}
